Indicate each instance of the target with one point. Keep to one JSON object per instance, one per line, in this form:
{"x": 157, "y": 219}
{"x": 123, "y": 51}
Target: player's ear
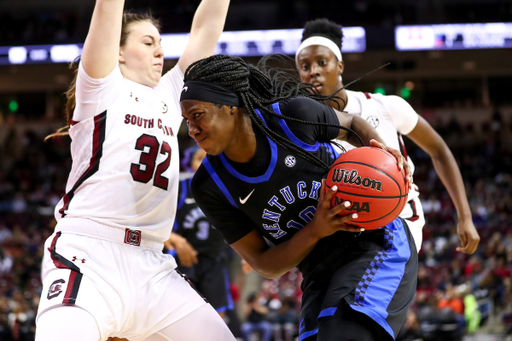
{"x": 233, "y": 109}
{"x": 341, "y": 67}
{"x": 121, "y": 56}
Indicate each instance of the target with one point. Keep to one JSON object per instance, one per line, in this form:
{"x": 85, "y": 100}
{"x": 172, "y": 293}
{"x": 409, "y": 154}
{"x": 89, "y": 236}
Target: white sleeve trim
{"x": 401, "y": 113}
{"x": 93, "y": 96}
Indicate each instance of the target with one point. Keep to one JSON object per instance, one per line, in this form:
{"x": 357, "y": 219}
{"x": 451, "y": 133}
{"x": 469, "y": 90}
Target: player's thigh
{"x": 349, "y": 325}
{"x": 203, "y": 324}
{"x": 66, "y": 323}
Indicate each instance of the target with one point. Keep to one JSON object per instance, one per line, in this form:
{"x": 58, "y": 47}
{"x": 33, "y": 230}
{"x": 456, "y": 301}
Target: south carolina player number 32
{"x": 144, "y": 170}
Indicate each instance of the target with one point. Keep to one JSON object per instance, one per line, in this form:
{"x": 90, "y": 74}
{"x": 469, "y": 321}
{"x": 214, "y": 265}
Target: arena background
{"x": 462, "y": 86}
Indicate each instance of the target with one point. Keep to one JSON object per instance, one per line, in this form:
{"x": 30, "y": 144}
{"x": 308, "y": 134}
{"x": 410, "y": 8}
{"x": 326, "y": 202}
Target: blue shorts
{"x": 374, "y": 272}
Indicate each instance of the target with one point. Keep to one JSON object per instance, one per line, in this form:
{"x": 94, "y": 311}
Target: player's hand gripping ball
{"x": 370, "y": 178}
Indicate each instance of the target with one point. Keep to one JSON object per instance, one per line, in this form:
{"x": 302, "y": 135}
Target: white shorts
{"x": 413, "y": 214}
{"x": 131, "y": 291}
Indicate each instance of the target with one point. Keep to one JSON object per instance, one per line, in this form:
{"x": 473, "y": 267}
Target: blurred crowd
{"x": 457, "y": 293}
{"x": 45, "y": 25}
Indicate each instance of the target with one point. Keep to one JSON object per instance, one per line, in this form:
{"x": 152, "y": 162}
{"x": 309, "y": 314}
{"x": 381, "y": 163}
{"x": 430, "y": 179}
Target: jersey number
{"x": 144, "y": 170}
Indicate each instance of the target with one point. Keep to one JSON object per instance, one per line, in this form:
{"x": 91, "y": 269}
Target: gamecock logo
{"x": 55, "y": 289}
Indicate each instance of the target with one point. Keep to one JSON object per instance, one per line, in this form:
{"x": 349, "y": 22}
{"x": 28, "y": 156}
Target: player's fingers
{"x": 340, "y": 208}
{"x": 375, "y": 143}
{"x": 472, "y": 245}
{"x": 350, "y": 228}
{"x": 327, "y": 197}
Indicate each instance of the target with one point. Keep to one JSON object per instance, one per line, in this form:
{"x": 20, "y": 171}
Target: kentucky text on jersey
{"x": 285, "y": 198}
{"x": 147, "y": 123}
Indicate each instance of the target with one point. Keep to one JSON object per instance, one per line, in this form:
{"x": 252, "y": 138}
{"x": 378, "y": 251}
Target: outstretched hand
{"x": 400, "y": 159}
{"x": 327, "y": 219}
{"x": 468, "y": 235}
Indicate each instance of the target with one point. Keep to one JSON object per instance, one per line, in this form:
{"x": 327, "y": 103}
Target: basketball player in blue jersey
{"x": 261, "y": 185}
{"x": 320, "y": 63}
{"x": 202, "y": 253}
{"x": 104, "y": 273}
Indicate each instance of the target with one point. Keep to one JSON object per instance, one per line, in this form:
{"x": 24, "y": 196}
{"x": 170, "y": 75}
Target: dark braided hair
{"x": 256, "y": 90}
{"x": 325, "y": 28}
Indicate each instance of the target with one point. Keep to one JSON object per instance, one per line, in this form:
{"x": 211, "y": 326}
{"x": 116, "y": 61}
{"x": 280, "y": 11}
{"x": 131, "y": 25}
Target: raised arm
{"x": 206, "y": 28}
{"x": 101, "y": 48}
{"x": 446, "y": 167}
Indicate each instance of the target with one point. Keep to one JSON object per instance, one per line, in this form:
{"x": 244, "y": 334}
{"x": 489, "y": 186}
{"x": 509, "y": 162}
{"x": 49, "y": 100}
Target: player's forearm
{"x": 365, "y": 132}
{"x": 206, "y": 28}
{"x": 209, "y": 22}
{"x": 101, "y": 48}
{"x": 449, "y": 173}
{"x": 289, "y": 254}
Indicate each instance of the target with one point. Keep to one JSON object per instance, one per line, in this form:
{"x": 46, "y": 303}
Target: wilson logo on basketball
{"x": 352, "y": 177}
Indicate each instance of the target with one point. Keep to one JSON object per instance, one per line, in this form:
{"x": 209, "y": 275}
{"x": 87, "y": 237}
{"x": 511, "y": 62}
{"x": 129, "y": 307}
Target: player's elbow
{"x": 268, "y": 272}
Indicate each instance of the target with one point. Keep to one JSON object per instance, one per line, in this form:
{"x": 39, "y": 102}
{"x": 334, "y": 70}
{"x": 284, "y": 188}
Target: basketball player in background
{"x": 104, "y": 273}
{"x": 268, "y": 148}
{"x": 202, "y": 253}
{"x": 320, "y": 63}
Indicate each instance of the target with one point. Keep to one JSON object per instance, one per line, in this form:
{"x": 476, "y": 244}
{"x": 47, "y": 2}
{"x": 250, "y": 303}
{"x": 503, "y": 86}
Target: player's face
{"x": 141, "y": 58}
{"x": 319, "y": 66}
{"x": 212, "y": 126}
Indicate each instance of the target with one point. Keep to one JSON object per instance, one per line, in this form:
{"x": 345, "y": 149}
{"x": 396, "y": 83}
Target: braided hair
{"x": 257, "y": 90}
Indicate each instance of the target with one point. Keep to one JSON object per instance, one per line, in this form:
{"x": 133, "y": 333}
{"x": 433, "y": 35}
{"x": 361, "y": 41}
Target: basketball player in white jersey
{"x": 320, "y": 63}
{"x": 104, "y": 273}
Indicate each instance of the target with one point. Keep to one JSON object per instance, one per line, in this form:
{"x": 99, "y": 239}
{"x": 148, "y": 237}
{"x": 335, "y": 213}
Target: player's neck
{"x": 243, "y": 146}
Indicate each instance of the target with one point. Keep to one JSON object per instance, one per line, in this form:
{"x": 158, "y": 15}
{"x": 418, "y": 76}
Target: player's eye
{"x": 305, "y": 67}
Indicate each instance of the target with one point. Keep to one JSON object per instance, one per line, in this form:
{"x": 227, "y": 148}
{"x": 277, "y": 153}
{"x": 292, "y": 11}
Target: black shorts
{"x": 210, "y": 278}
{"x": 374, "y": 274}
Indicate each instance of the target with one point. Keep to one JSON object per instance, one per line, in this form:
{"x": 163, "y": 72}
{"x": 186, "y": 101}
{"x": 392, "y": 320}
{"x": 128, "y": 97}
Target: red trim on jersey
{"x": 69, "y": 298}
{"x": 415, "y": 215}
{"x": 73, "y": 122}
{"x": 402, "y": 145}
{"x": 94, "y": 163}
{"x": 75, "y": 276}
{"x": 367, "y": 95}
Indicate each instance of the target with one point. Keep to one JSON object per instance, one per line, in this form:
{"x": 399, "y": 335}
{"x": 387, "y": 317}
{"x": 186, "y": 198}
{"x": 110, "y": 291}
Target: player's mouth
{"x": 317, "y": 85}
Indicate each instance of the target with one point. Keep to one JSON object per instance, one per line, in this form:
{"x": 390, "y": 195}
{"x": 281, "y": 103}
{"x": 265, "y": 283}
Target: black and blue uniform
{"x": 210, "y": 274}
{"x": 276, "y": 193}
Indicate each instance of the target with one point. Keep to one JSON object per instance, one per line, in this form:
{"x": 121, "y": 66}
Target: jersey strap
{"x": 291, "y": 136}
{"x": 94, "y": 163}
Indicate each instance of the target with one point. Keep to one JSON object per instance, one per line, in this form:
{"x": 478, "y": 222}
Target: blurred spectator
{"x": 411, "y": 329}
{"x": 286, "y": 321}
{"x": 256, "y": 313}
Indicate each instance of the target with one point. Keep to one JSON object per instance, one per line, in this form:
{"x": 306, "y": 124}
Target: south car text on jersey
{"x": 289, "y": 196}
{"x": 148, "y": 123}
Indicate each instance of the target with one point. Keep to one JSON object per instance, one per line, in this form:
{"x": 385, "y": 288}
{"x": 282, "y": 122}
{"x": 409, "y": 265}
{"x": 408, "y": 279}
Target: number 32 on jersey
{"x": 145, "y": 171}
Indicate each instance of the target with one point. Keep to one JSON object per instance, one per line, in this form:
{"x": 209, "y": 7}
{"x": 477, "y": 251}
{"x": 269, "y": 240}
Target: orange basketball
{"x": 371, "y": 180}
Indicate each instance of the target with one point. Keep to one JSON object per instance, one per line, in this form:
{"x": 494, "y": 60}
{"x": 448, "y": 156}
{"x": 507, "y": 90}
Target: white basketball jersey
{"x": 391, "y": 116}
{"x": 124, "y": 147}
